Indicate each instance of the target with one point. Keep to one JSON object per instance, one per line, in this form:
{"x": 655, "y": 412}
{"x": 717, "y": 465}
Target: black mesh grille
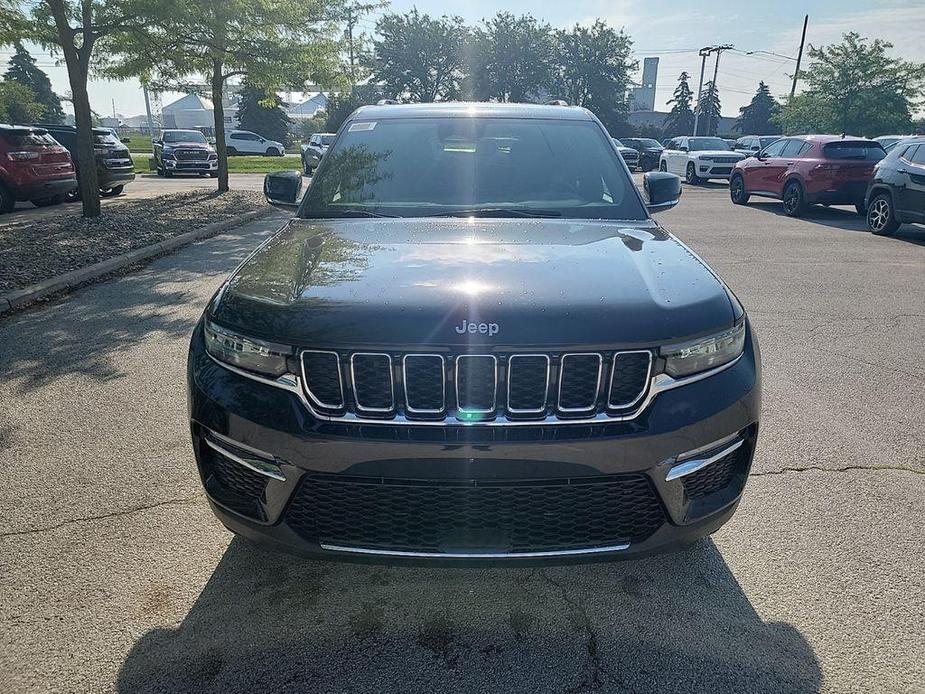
{"x": 630, "y": 378}
{"x": 372, "y": 381}
{"x": 469, "y": 515}
{"x": 475, "y": 383}
{"x": 715, "y": 476}
{"x": 578, "y": 381}
{"x": 527, "y": 382}
{"x": 322, "y": 378}
{"x": 234, "y": 485}
{"x": 424, "y": 383}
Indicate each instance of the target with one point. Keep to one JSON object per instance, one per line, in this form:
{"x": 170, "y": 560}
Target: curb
{"x": 73, "y": 279}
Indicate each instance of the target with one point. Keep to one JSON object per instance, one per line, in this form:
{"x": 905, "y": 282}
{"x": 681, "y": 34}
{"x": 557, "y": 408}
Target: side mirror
{"x": 760, "y": 155}
{"x": 662, "y": 190}
{"x": 283, "y": 188}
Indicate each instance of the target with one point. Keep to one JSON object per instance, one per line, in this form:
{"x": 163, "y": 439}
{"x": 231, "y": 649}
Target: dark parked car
{"x": 750, "y": 145}
{"x": 34, "y": 167}
{"x": 184, "y": 151}
{"x": 896, "y": 194}
{"x": 313, "y": 150}
{"x": 473, "y": 342}
{"x": 649, "y": 151}
{"x": 114, "y": 165}
{"x": 629, "y": 155}
{"x": 807, "y": 170}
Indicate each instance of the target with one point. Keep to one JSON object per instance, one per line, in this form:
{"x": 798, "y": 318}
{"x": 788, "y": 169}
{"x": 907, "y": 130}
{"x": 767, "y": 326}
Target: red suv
{"x": 806, "y": 170}
{"x": 33, "y": 166}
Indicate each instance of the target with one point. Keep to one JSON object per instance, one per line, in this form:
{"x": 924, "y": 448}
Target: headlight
{"x": 707, "y": 353}
{"x": 267, "y": 358}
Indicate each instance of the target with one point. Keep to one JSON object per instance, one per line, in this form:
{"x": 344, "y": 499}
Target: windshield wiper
{"x": 350, "y": 212}
{"x": 501, "y": 212}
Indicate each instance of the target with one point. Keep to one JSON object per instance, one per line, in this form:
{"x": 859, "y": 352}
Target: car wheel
{"x": 691, "y": 174}
{"x": 881, "y": 218}
{"x": 737, "y": 190}
{"x": 49, "y": 201}
{"x": 7, "y": 203}
{"x": 159, "y": 171}
{"x": 273, "y": 152}
{"x": 72, "y": 195}
{"x": 112, "y": 192}
{"x": 168, "y": 173}
{"x": 662, "y": 166}
{"x": 794, "y": 200}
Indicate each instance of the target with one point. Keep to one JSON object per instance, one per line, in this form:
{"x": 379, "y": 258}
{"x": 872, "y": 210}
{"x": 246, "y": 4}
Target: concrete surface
{"x": 115, "y": 576}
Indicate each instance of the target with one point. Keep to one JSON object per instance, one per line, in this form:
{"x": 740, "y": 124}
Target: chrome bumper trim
{"x": 689, "y": 467}
{"x": 476, "y": 555}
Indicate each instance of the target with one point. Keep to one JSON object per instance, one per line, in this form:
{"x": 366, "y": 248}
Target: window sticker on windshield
{"x": 368, "y": 125}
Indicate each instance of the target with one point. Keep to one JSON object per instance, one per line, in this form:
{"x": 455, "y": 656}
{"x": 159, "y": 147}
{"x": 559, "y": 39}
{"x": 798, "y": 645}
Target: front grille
{"x": 475, "y": 515}
{"x": 475, "y": 387}
{"x": 721, "y": 170}
{"x": 725, "y": 160}
{"x": 715, "y": 476}
{"x": 233, "y": 485}
{"x": 191, "y": 155}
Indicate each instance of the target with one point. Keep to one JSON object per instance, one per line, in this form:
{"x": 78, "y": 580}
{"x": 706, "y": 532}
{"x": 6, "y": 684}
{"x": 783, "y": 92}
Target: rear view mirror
{"x": 283, "y": 188}
{"x": 662, "y": 190}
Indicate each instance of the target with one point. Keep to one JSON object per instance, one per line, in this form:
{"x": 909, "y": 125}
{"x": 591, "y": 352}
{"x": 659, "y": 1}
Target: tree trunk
{"x": 218, "y": 112}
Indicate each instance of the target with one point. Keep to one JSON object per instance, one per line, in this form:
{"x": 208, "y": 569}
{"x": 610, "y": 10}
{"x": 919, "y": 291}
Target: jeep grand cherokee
{"x": 474, "y": 343}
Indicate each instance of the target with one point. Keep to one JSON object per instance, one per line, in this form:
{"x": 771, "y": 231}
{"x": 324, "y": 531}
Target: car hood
{"x": 187, "y": 145}
{"x": 716, "y": 153}
{"x": 627, "y": 150}
{"x": 413, "y": 282}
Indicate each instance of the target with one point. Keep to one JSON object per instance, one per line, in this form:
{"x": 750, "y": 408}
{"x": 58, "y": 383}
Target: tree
{"x": 419, "y": 58}
{"x": 260, "y": 112}
{"x": 18, "y": 103}
{"x": 76, "y": 28}
{"x": 756, "y": 118}
{"x": 855, "y": 87}
{"x": 275, "y": 44}
{"x": 24, "y": 71}
{"x": 513, "y": 58}
{"x": 708, "y": 107}
{"x": 680, "y": 120}
{"x": 342, "y": 105}
{"x": 593, "y": 68}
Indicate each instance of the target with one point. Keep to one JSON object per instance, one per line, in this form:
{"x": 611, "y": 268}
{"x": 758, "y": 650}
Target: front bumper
{"x": 711, "y": 170}
{"x": 191, "y": 165}
{"x": 274, "y": 473}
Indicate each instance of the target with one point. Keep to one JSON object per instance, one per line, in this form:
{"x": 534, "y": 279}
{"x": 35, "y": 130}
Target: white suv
{"x": 246, "y": 142}
{"x": 698, "y": 158}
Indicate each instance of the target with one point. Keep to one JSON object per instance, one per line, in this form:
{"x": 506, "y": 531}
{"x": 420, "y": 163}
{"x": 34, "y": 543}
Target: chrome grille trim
{"x": 404, "y": 380}
{"x": 510, "y": 369}
{"x": 356, "y": 396}
{"x": 597, "y": 388}
{"x": 340, "y": 380}
{"x": 494, "y": 395}
{"x": 613, "y": 370}
{"x": 476, "y": 555}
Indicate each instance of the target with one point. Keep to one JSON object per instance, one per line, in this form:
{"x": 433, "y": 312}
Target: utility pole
{"x": 796, "y": 73}
{"x": 354, "y": 12}
{"x": 144, "y": 89}
{"x": 704, "y": 52}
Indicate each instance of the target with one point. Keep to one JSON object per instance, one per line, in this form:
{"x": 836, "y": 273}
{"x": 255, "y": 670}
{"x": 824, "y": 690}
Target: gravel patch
{"x": 36, "y": 250}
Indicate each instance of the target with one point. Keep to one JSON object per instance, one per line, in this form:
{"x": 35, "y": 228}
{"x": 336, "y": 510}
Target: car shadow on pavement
{"x": 671, "y": 623}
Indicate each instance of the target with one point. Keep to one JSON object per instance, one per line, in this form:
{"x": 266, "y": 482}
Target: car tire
{"x": 691, "y": 174}
{"x": 72, "y": 195}
{"x": 737, "y": 192}
{"x": 168, "y": 174}
{"x": 662, "y": 166}
{"x": 48, "y": 201}
{"x": 273, "y": 152}
{"x": 794, "y": 200}
{"x": 111, "y": 192}
{"x": 159, "y": 170}
{"x": 7, "y": 203}
{"x": 881, "y": 217}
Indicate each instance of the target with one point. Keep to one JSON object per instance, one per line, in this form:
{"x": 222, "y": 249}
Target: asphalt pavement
{"x": 116, "y": 577}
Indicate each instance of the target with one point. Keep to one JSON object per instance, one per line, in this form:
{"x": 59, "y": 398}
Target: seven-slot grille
{"x": 473, "y": 387}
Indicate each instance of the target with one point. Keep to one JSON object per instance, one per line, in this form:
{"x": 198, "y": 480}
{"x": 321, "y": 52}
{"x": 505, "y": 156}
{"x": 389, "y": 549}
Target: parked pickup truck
{"x": 34, "y": 167}
{"x": 314, "y": 149}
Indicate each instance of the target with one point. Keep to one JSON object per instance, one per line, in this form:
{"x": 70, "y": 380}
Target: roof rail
{"x": 557, "y": 102}
{"x": 386, "y": 102}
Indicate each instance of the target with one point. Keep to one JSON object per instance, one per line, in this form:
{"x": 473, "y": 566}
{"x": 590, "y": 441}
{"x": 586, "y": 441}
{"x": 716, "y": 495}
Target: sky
{"x": 673, "y": 31}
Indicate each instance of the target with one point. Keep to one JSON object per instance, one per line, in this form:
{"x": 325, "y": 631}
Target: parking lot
{"x": 118, "y": 578}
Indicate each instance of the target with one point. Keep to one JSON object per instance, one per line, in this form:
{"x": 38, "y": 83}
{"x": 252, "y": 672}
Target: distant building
{"x": 194, "y": 112}
{"x": 642, "y": 98}
{"x": 309, "y": 107}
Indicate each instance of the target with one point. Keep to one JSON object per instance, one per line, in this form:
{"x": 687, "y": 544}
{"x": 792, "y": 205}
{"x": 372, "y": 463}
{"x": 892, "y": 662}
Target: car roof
{"x": 463, "y": 109}
{"x": 825, "y": 139}
{"x": 22, "y": 128}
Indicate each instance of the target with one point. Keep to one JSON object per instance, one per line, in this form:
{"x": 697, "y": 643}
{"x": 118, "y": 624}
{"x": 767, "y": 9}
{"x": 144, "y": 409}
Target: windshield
{"x": 104, "y": 137}
{"x": 700, "y": 144}
{"x": 418, "y": 167}
{"x": 184, "y": 136}
{"x": 857, "y": 149}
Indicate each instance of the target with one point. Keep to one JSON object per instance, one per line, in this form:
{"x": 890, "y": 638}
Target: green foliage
{"x": 593, "y": 70}
{"x": 419, "y": 58}
{"x": 18, "y": 103}
{"x": 260, "y": 112}
{"x": 24, "y": 71}
{"x": 342, "y": 105}
{"x": 855, "y": 87}
{"x": 513, "y": 59}
{"x": 708, "y": 107}
{"x": 310, "y": 126}
{"x": 680, "y": 120}
{"x": 757, "y": 117}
